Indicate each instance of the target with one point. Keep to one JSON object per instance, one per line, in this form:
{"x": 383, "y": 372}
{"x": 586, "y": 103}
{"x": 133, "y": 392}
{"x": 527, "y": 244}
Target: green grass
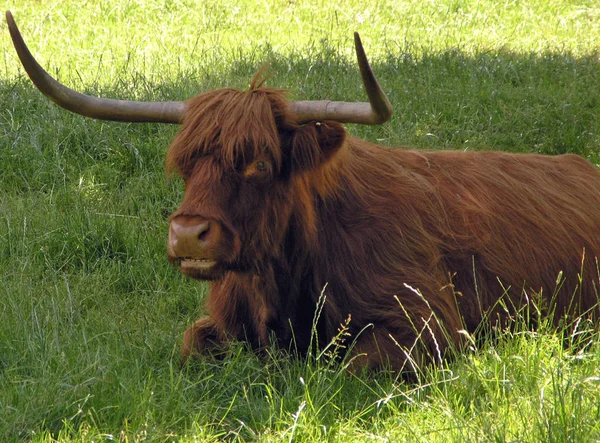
{"x": 91, "y": 314}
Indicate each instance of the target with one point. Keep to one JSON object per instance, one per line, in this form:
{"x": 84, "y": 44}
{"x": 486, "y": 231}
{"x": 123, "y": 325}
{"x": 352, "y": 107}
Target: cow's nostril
{"x": 202, "y": 236}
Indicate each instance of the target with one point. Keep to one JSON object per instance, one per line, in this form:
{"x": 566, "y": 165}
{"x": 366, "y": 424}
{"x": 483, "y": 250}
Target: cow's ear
{"x": 316, "y": 143}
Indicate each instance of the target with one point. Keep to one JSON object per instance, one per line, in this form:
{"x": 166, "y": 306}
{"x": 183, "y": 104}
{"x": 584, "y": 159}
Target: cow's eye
{"x": 259, "y": 170}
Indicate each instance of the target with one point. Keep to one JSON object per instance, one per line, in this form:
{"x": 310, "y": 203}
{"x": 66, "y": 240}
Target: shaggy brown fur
{"x": 373, "y": 226}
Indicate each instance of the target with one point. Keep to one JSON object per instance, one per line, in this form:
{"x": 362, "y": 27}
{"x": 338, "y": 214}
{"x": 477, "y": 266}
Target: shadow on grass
{"x": 545, "y": 103}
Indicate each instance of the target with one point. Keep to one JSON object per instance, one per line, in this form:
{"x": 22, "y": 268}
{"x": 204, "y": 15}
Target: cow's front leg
{"x": 202, "y": 337}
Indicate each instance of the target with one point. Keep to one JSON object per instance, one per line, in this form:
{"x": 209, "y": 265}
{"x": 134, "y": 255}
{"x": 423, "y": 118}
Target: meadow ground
{"x": 91, "y": 313}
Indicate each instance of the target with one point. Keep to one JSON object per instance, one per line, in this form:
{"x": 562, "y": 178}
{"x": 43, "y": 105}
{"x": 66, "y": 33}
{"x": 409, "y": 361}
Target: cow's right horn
{"x": 374, "y": 112}
{"x": 94, "y": 107}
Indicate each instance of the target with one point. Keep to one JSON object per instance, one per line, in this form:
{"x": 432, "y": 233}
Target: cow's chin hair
{"x": 218, "y": 271}
{"x": 197, "y": 274}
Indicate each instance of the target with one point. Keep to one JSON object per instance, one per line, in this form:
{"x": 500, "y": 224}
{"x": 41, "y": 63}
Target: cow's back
{"x": 515, "y": 223}
{"x": 488, "y": 224}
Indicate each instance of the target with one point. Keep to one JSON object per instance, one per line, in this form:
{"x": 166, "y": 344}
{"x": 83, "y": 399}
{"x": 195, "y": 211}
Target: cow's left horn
{"x": 377, "y": 111}
{"x": 94, "y": 107}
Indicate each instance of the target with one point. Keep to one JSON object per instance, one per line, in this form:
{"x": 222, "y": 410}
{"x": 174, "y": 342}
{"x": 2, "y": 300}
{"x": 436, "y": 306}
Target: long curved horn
{"x": 94, "y": 107}
{"x": 377, "y": 111}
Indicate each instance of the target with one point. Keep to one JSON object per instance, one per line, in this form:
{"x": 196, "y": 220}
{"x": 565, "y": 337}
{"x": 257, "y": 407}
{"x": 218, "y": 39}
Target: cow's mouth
{"x": 203, "y": 264}
{"x": 200, "y": 268}
{"x": 206, "y": 268}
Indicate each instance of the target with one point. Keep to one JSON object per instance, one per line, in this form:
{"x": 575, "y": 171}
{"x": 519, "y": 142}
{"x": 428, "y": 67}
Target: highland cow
{"x": 407, "y": 248}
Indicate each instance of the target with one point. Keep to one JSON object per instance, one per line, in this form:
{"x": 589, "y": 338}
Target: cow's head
{"x": 238, "y": 153}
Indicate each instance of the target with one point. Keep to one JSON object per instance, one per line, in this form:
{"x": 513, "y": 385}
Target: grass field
{"x": 91, "y": 313}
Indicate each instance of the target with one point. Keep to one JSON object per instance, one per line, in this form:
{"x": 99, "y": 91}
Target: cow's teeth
{"x": 201, "y": 263}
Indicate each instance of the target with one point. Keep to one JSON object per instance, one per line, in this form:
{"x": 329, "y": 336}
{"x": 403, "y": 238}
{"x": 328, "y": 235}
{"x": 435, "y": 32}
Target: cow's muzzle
{"x": 194, "y": 244}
